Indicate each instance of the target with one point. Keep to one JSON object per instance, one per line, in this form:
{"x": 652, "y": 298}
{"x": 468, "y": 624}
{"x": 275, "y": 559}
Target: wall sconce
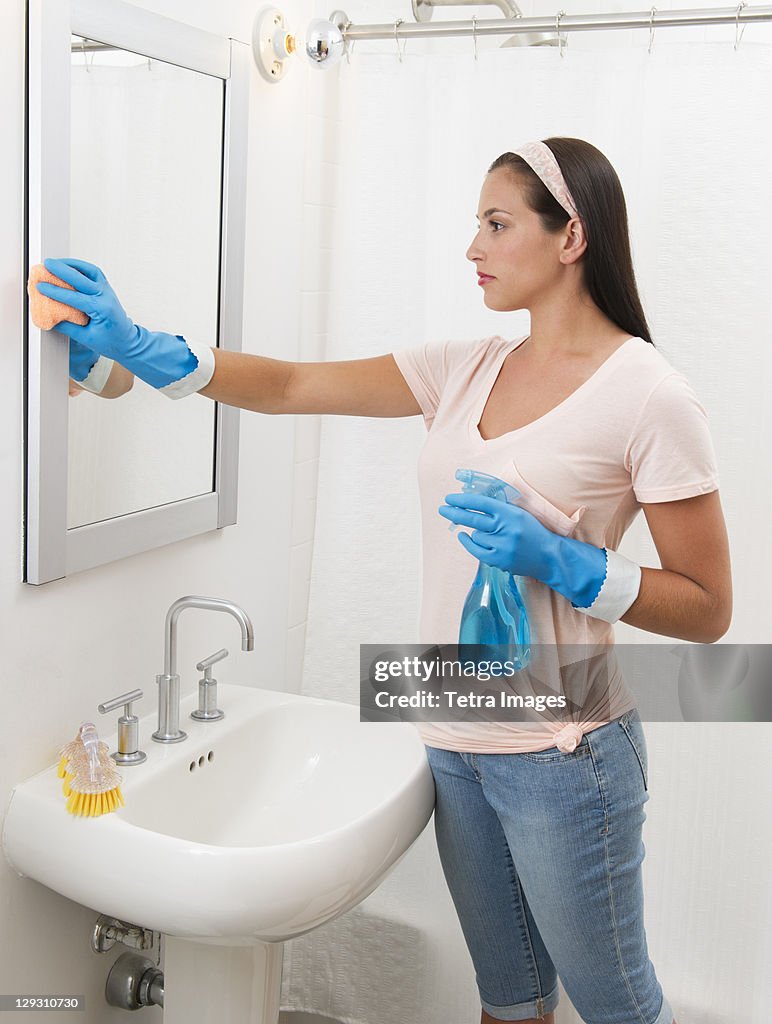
{"x": 273, "y": 43}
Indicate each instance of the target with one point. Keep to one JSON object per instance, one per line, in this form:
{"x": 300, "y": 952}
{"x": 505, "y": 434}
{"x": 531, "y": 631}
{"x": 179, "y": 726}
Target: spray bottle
{"x": 494, "y": 622}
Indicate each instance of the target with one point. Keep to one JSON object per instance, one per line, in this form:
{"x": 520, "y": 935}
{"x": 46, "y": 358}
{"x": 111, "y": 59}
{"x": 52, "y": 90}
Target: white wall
{"x": 68, "y": 645}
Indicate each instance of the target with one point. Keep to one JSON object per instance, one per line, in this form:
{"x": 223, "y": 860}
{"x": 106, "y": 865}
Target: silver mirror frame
{"x": 51, "y": 550}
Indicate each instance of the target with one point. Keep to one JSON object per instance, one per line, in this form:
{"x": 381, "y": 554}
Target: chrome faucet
{"x": 169, "y": 682}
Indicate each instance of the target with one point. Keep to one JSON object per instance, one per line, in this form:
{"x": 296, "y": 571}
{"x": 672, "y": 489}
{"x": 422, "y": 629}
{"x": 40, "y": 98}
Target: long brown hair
{"x": 600, "y": 202}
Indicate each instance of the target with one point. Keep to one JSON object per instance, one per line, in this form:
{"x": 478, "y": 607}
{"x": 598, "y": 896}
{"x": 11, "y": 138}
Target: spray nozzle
{"x": 483, "y": 483}
{"x": 475, "y": 482}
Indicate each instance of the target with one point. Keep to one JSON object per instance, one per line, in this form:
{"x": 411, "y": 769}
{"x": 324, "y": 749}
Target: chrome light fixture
{"x": 324, "y": 42}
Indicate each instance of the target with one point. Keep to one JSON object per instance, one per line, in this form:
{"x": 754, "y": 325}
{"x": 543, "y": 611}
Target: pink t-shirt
{"x": 634, "y": 432}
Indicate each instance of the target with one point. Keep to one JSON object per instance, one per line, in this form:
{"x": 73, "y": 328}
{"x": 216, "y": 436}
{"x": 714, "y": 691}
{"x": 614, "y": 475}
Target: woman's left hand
{"x": 82, "y": 360}
{"x": 505, "y": 535}
{"x": 510, "y": 538}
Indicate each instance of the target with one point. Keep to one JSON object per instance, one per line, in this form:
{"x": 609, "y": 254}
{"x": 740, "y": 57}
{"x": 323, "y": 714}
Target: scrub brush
{"x": 91, "y": 783}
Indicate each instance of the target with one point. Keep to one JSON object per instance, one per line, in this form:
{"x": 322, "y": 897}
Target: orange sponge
{"x": 47, "y": 313}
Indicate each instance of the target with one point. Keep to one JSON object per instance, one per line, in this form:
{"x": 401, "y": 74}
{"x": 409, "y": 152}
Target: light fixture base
{"x": 270, "y": 40}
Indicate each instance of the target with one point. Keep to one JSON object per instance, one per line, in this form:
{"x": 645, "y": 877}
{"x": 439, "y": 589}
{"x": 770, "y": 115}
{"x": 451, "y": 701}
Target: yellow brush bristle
{"x": 92, "y": 805}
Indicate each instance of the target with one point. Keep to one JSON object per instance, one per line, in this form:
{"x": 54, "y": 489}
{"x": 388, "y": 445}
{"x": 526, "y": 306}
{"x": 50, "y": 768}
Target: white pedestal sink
{"x": 257, "y": 828}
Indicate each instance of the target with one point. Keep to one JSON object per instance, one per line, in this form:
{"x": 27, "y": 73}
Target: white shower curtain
{"x": 683, "y": 127}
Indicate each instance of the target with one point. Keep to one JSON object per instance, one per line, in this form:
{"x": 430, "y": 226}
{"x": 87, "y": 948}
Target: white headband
{"x": 541, "y": 159}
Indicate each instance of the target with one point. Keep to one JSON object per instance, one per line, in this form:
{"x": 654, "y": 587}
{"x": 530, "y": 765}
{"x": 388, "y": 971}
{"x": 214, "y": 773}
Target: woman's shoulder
{"x": 647, "y": 366}
{"x": 485, "y": 350}
{"x": 443, "y": 358}
{"x": 656, "y": 391}
{"x": 490, "y": 345}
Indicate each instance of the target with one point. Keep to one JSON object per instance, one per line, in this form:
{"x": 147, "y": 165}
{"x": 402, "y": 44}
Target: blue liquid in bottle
{"x": 494, "y": 622}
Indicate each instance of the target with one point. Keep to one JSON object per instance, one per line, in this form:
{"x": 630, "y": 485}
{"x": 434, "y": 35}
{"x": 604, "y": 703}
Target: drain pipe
{"x": 134, "y": 982}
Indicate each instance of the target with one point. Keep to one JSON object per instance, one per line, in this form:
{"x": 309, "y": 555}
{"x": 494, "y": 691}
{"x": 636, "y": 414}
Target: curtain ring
{"x": 474, "y": 34}
{"x": 85, "y": 56}
{"x": 397, "y": 23}
{"x": 651, "y": 27}
{"x": 737, "y": 39}
{"x": 348, "y": 44}
{"x": 559, "y": 15}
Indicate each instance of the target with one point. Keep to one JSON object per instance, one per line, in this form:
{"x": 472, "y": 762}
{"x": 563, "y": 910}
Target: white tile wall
{"x": 304, "y": 488}
{"x": 299, "y": 576}
{"x": 296, "y": 644}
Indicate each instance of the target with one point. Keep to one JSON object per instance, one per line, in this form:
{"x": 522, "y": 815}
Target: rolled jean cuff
{"x": 523, "y": 1011}
{"x": 619, "y": 591}
{"x": 97, "y": 376}
{"x": 665, "y": 1015}
{"x": 196, "y": 379}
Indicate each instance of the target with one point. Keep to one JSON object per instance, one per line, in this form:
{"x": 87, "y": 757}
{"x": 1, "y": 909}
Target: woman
{"x": 539, "y": 829}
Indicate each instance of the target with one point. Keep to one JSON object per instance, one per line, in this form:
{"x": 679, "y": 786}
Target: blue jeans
{"x": 542, "y": 854}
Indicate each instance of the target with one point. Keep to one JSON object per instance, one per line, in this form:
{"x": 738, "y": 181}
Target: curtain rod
{"x": 653, "y": 19}
{"x": 560, "y": 23}
{"x": 90, "y": 46}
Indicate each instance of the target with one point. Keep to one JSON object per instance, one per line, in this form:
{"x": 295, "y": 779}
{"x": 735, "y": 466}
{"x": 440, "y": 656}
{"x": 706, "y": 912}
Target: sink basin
{"x": 259, "y": 827}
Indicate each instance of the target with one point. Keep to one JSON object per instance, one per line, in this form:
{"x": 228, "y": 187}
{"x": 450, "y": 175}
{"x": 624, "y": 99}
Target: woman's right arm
{"x": 355, "y": 387}
{"x": 350, "y": 387}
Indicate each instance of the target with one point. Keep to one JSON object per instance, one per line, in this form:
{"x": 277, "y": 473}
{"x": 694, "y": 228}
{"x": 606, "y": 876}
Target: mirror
{"x": 141, "y": 123}
{"x": 137, "y": 128}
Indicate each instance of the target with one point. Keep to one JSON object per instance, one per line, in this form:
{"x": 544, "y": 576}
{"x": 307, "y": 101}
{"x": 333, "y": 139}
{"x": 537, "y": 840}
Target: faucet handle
{"x": 207, "y": 710}
{"x": 128, "y": 751}
{"x": 207, "y": 663}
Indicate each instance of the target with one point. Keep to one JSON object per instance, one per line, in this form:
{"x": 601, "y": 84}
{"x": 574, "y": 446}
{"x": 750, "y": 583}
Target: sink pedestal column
{"x": 221, "y": 984}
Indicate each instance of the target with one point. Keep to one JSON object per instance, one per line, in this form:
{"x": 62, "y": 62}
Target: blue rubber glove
{"x": 82, "y": 360}
{"x": 514, "y": 540}
{"x": 157, "y": 358}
